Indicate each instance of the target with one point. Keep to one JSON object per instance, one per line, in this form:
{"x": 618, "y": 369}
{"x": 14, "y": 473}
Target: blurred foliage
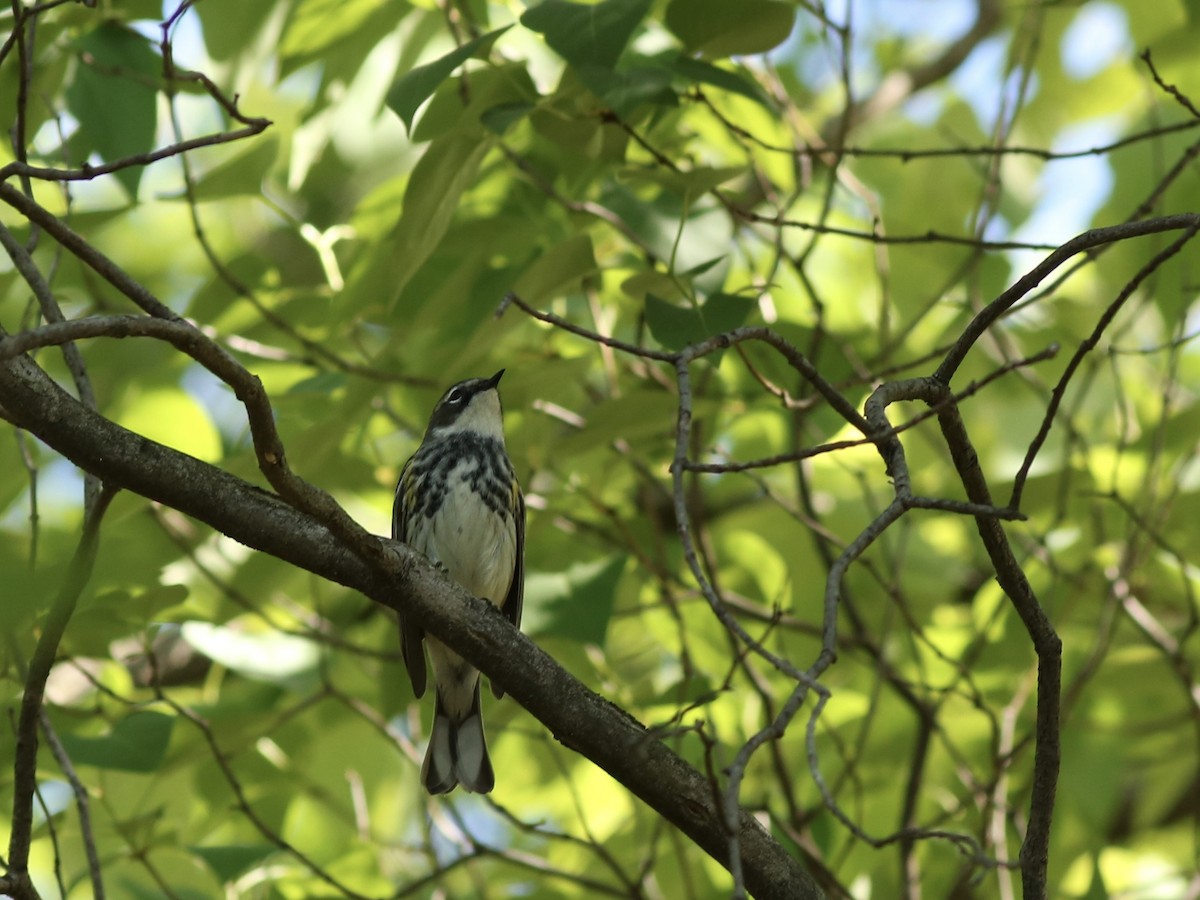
{"x": 655, "y": 172}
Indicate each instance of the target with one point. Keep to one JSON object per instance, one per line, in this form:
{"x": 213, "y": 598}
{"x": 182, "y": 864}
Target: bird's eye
{"x": 455, "y": 397}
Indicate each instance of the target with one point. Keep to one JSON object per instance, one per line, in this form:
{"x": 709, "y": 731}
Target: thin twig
{"x": 25, "y": 766}
{"x": 81, "y": 803}
{"x": 1097, "y": 237}
{"x": 1086, "y": 347}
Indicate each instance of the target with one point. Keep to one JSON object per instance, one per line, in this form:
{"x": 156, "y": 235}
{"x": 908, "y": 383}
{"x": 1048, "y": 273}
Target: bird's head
{"x": 471, "y": 406}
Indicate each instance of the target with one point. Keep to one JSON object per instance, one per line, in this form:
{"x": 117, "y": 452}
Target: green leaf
{"x": 725, "y": 312}
{"x": 503, "y": 85}
{"x": 325, "y": 383}
{"x": 228, "y": 24}
{"x": 172, "y": 417}
{"x": 557, "y": 268}
{"x": 691, "y": 689}
{"x": 706, "y": 73}
{"x": 230, "y": 861}
{"x": 273, "y": 656}
{"x": 315, "y": 25}
{"x": 114, "y": 98}
{"x": 636, "y": 418}
{"x": 628, "y": 89}
{"x": 575, "y": 604}
{"x": 676, "y": 326}
{"x": 1097, "y": 890}
{"x": 101, "y": 622}
{"x": 242, "y": 172}
{"x": 503, "y": 116}
{"x": 651, "y": 282}
{"x": 137, "y": 743}
{"x": 698, "y": 180}
{"x": 718, "y": 28}
{"x": 127, "y": 886}
{"x": 417, "y": 85}
{"x": 337, "y": 35}
{"x": 700, "y": 268}
{"x": 587, "y": 35}
{"x": 673, "y": 326}
{"x": 446, "y": 169}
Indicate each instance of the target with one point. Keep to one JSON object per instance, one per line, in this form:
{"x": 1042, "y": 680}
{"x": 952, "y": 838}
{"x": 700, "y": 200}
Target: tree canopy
{"x": 852, "y": 375}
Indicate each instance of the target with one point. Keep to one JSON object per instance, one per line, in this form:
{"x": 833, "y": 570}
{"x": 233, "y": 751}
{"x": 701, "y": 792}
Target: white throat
{"x": 482, "y": 417}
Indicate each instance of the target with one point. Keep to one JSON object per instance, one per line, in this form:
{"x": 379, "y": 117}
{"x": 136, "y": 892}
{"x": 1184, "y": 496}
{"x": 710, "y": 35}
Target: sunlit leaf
{"x": 228, "y": 24}
{"x": 242, "y": 172}
{"x": 556, "y": 268}
{"x": 414, "y": 87}
{"x": 174, "y": 418}
{"x": 268, "y": 656}
{"x": 439, "y": 179}
{"x": 313, "y": 25}
{"x": 575, "y": 604}
{"x": 230, "y": 861}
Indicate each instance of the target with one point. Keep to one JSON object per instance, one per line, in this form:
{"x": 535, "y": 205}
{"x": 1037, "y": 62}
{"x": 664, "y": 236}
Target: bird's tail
{"x": 457, "y": 752}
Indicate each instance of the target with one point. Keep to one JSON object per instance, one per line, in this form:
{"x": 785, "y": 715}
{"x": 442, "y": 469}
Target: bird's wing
{"x": 516, "y": 590}
{"x": 411, "y": 635}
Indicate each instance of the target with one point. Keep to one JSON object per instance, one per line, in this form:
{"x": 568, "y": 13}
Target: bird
{"x": 459, "y": 503}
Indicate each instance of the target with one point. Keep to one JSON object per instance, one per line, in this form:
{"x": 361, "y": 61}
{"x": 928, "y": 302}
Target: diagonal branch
{"x": 186, "y": 337}
{"x": 398, "y": 578}
{"x": 1097, "y": 237}
{"x": 1083, "y": 350}
{"x": 1035, "y": 849}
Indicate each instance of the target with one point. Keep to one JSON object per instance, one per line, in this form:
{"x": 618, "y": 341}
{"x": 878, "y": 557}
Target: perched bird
{"x": 459, "y": 503}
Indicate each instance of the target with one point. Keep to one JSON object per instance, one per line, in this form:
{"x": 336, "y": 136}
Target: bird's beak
{"x": 495, "y": 379}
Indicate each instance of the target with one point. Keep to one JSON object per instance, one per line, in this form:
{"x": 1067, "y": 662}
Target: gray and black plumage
{"x": 459, "y": 503}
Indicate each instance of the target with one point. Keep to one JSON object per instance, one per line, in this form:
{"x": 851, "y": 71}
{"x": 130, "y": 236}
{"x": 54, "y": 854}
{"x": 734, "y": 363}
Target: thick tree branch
{"x": 579, "y": 718}
{"x": 188, "y": 338}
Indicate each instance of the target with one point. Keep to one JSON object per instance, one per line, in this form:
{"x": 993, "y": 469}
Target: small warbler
{"x": 459, "y": 503}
